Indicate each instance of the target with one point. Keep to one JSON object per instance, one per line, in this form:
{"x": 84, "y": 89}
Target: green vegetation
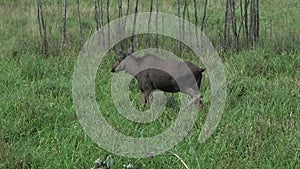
{"x": 39, "y": 127}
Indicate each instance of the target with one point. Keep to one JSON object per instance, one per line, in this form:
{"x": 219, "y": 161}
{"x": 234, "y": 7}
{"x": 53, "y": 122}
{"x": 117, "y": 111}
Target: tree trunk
{"x": 120, "y": 8}
{"x": 39, "y": 21}
{"x": 148, "y": 39}
{"x": 227, "y": 26}
{"x": 45, "y": 37}
{"x": 189, "y": 20}
{"x": 246, "y": 22}
{"x": 203, "y": 23}
{"x": 131, "y": 49}
{"x": 242, "y": 19}
{"x": 64, "y": 23}
{"x": 204, "y": 16}
{"x": 44, "y": 28}
{"x": 256, "y": 20}
{"x": 119, "y": 26}
{"x": 108, "y": 20}
{"x": 96, "y": 15}
{"x": 196, "y": 22}
{"x": 101, "y": 22}
{"x": 80, "y": 26}
{"x": 179, "y": 26}
{"x": 156, "y": 38}
{"x": 127, "y": 11}
{"x": 251, "y": 21}
{"x": 183, "y": 17}
{"x": 233, "y": 16}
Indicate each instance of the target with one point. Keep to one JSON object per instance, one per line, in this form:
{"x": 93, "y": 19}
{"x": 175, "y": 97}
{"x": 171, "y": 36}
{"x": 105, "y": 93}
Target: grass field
{"x": 39, "y": 127}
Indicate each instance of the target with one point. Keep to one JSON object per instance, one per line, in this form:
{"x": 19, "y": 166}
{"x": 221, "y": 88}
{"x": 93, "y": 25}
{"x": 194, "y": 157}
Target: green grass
{"x": 39, "y": 127}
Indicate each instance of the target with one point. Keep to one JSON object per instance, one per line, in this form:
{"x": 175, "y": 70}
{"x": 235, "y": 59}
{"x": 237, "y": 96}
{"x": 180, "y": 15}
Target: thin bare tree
{"x": 43, "y": 27}
{"x": 179, "y": 26}
{"x": 242, "y": 19}
{"x": 64, "y": 27}
{"x": 120, "y": 9}
{"x": 156, "y": 25}
{"x": 126, "y": 14}
{"x": 121, "y": 31}
{"x": 227, "y": 37}
{"x": 183, "y": 17}
{"x": 203, "y": 22}
{"x": 196, "y": 22}
{"x": 100, "y": 8}
{"x": 256, "y": 21}
{"x": 189, "y": 20}
{"x": 163, "y": 27}
{"x": 127, "y": 11}
{"x": 251, "y": 21}
{"x": 96, "y": 15}
{"x": 246, "y": 22}
{"x": 108, "y": 20}
{"x": 80, "y": 25}
{"x": 101, "y": 18}
{"x": 131, "y": 50}
{"x": 39, "y": 20}
{"x": 148, "y": 43}
{"x": 204, "y": 16}
{"x": 234, "y": 30}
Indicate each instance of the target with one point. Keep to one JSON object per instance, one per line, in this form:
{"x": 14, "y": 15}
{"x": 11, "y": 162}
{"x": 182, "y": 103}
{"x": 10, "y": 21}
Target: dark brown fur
{"x": 149, "y": 79}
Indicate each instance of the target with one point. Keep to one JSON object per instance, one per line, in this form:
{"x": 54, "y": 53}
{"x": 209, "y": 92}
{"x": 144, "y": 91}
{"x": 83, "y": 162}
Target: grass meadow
{"x": 260, "y": 127}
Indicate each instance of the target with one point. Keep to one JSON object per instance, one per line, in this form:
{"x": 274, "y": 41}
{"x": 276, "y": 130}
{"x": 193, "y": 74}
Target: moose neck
{"x": 132, "y": 65}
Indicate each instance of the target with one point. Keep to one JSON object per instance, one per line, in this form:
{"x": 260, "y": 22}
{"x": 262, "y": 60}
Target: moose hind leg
{"x": 145, "y": 98}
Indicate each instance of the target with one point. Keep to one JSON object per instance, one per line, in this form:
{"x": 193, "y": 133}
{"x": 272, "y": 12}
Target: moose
{"x": 154, "y": 73}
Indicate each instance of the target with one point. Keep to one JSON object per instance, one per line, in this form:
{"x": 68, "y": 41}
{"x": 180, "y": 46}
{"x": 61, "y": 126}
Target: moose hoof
{"x": 200, "y": 104}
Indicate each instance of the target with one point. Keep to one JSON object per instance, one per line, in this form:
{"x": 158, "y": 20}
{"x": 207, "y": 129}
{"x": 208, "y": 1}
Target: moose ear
{"x": 120, "y": 53}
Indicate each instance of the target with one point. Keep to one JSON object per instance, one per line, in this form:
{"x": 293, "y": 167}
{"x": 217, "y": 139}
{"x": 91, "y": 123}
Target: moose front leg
{"x": 145, "y": 98}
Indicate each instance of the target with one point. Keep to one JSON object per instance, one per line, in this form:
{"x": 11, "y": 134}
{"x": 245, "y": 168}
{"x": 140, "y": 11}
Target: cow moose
{"x": 154, "y": 73}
